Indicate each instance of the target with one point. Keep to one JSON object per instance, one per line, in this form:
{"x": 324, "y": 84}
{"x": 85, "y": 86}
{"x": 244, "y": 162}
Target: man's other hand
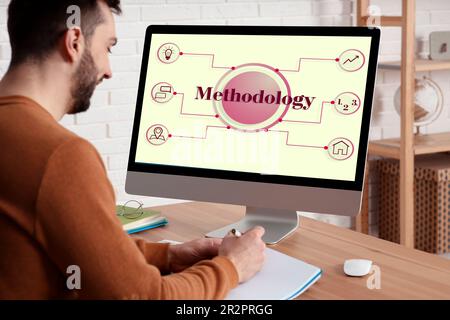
{"x": 182, "y": 256}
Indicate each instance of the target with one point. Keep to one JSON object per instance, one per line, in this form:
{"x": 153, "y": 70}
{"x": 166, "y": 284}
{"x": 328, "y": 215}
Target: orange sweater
{"x": 57, "y": 208}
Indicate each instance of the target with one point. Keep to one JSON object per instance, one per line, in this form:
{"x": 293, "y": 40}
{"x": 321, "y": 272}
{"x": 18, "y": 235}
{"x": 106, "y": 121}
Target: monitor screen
{"x": 282, "y": 107}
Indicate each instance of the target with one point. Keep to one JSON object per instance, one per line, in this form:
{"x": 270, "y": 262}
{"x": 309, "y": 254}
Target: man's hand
{"x": 246, "y": 252}
{"x": 182, "y": 256}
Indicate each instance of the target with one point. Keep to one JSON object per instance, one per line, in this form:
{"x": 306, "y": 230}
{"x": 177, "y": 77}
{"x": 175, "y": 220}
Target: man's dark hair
{"x": 36, "y": 26}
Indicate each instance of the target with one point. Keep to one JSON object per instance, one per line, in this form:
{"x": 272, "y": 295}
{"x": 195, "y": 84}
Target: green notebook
{"x": 148, "y": 220}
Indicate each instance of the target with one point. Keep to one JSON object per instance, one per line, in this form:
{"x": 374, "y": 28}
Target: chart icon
{"x": 352, "y": 60}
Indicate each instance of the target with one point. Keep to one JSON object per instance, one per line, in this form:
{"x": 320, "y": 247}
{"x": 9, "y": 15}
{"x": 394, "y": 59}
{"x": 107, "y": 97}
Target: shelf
{"x": 423, "y": 144}
{"x": 385, "y": 148}
{"x": 385, "y": 21}
{"x": 421, "y": 65}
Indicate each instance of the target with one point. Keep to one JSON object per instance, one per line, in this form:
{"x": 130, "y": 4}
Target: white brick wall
{"x": 108, "y": 123}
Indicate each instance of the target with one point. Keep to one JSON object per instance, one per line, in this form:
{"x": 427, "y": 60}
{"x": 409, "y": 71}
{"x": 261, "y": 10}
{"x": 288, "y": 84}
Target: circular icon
{"x": 351, "y": 60}
{"x": 162, "y": 92}
{"x": 157, "y": 134}
{"x": 168, "y": 53}
{"x": 254, "y": 97}
{"x": 340, "y": 149}
{"x": 347, "y": 103}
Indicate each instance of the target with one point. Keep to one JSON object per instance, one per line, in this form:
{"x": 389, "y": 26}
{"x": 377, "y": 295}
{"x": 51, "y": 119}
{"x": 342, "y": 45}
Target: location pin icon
{"x": 158, "y": 132}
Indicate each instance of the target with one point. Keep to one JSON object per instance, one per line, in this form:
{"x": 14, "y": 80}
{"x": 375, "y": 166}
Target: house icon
{"x": 341, "y": 148}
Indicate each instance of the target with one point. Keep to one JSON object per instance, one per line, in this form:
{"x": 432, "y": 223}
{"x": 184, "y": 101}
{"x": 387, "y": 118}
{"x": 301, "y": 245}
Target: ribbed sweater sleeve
{"x": 76, "y": 225}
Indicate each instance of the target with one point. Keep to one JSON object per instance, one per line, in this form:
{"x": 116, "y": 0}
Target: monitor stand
{"x": 277, "y": 223}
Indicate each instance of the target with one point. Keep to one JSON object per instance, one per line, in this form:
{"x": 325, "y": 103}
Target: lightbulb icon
{"x": 168, "y": 53}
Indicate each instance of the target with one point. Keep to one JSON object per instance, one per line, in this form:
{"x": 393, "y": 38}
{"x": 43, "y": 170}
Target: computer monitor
{"x": 272, "y": 118}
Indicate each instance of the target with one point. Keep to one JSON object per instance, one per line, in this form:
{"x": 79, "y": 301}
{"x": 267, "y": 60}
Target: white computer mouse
{"x": 357, "y": 267}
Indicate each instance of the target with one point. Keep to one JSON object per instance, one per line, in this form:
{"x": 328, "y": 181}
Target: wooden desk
{"x": 405, "y": 273}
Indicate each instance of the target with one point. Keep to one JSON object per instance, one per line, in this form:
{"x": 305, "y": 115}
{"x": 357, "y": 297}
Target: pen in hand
{"x": 245, "y": 250}
{"x": 236, "y": 232}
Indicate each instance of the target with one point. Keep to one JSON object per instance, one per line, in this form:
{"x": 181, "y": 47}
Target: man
{"x": 57, "y": 207}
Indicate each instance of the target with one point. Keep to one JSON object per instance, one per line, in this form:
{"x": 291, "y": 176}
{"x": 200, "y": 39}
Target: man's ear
{"x": 73, "y": 44}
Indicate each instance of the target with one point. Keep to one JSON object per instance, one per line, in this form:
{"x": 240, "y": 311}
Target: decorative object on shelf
{"x": 428, "y": 102}
{"x": 440, "y": 45}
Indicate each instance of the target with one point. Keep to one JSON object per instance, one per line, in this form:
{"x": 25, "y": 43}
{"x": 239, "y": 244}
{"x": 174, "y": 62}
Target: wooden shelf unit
{"x": 387, "y": 21}
{"x": 421, "y": 65}
{"x": 423, "y": 144}
{"x": 408, "y": 145}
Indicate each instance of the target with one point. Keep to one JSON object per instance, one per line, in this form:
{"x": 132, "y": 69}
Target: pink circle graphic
{"x": 259, "y": 85}
{"x": 261, "y": 90}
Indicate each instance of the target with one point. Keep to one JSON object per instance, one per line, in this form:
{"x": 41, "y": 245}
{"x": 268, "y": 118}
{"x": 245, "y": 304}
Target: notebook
{"x": 281, "y": 278}
{"x": 148, "y": 220}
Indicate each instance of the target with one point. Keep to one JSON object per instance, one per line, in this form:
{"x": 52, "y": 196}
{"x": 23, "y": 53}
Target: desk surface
{"x": 405, "y": 273}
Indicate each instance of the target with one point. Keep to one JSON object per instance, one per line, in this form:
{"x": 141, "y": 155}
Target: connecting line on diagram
{"x": 281, "y": 119}
{"x": 212, "y": 56}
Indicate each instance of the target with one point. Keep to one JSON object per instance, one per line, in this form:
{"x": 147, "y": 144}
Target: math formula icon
{"x": 352, "y": 60}
{"x": 347, "y": 103}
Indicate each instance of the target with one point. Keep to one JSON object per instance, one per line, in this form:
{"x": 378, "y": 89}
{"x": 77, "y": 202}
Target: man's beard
{"x": 84, "y": 83}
